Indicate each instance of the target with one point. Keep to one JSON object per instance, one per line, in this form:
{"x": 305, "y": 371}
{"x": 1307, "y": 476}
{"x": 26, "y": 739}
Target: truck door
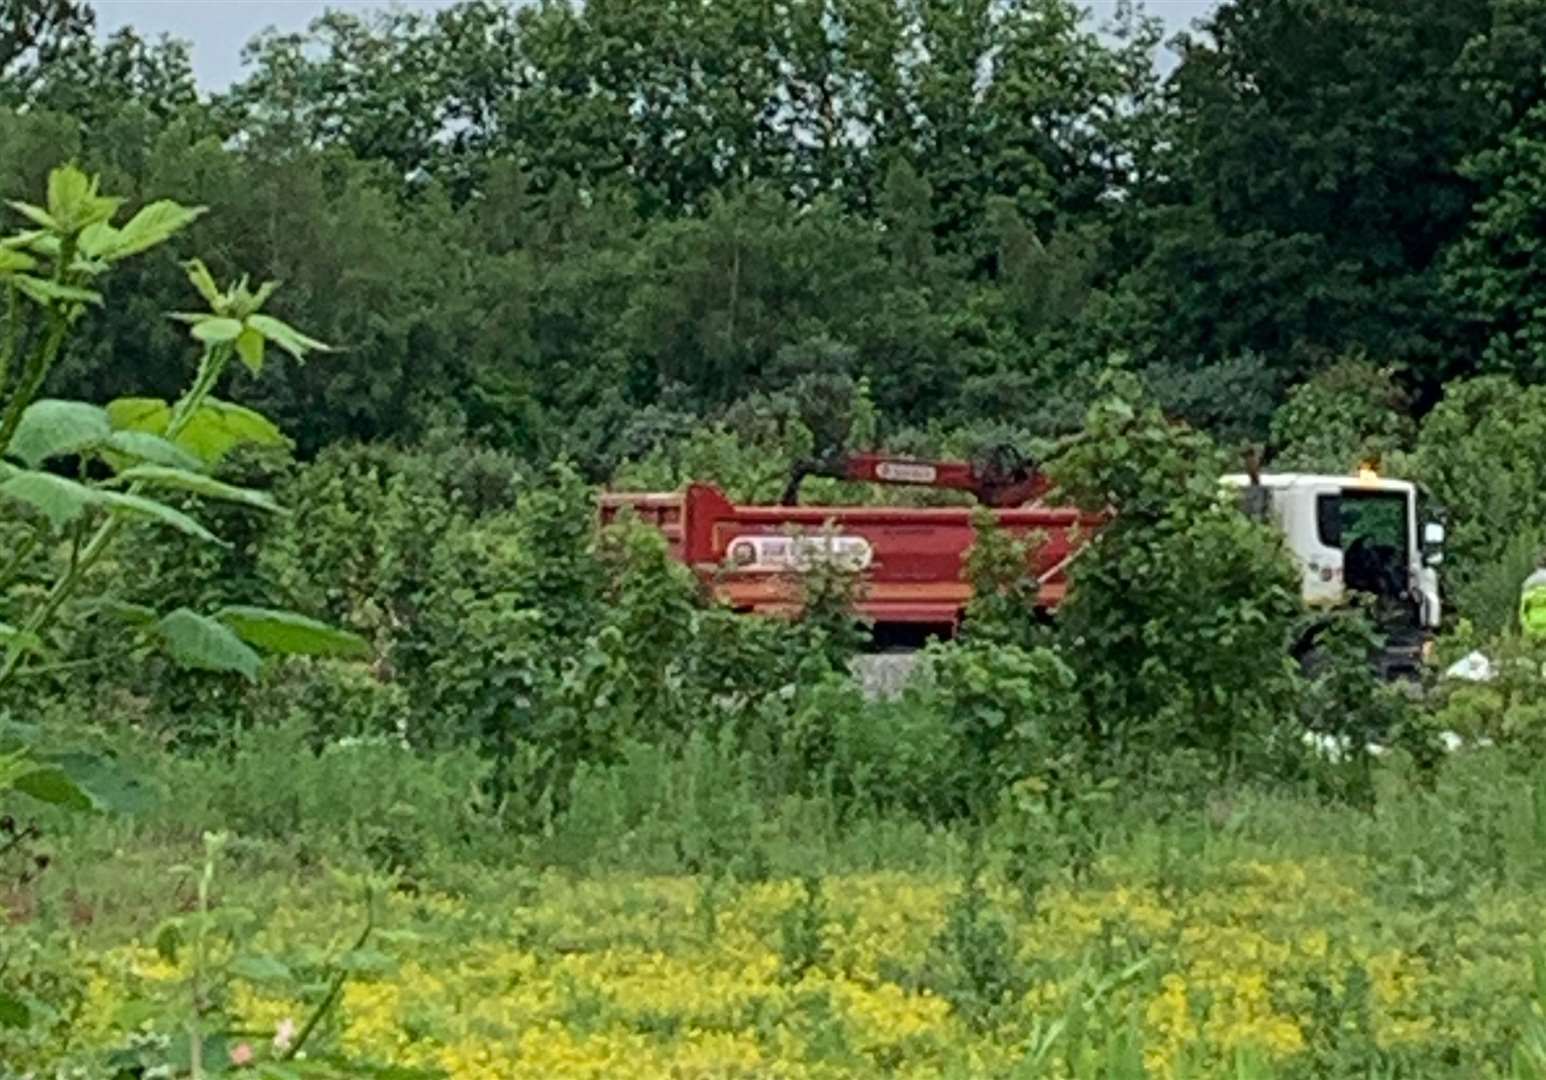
{"x": 1371, "y": 530}
{"x": 1313, "y": 530}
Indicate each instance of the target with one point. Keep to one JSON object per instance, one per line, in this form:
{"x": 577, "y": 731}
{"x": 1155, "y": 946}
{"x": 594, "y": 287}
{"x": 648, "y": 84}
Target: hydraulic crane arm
{"x": 1005, "y": 482}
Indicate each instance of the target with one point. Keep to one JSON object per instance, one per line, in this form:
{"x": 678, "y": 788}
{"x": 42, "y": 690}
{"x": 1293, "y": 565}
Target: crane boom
{"x": 1000, "y": 485}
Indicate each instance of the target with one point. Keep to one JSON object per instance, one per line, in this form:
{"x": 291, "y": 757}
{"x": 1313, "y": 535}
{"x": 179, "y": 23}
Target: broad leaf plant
{"x": 74, "y": 474}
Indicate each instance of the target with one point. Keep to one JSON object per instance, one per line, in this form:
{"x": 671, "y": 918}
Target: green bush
{"x": 1181, "y": 609}
{"x": 1482, "y": 453}
{"x": 1002, "y": 609}
{"x": 1351, "y": 413}
{"x": 1510, "y": 709}
{"x": 1015, "y": 710}
{"x": 334, "y": 701}
{"x": 1487, "y": 593}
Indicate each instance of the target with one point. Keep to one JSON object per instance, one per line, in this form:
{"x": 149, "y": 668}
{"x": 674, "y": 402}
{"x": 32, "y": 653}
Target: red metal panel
{"x": 916, "y": 574}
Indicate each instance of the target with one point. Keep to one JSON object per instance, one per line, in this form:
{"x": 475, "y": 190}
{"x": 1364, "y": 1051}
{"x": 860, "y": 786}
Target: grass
{"x": 1250, "y": 934}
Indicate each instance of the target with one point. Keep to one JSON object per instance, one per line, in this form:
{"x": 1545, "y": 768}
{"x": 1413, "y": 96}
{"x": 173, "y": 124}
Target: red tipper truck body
{"x": 911, "y": 560}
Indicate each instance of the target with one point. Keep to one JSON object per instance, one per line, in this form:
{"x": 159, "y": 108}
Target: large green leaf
{"x": 12, "y": 260}
{"x": 204, "y": 282}
{"x": 211, "y": 433}
{"x": 215, "y": 330}
{"x": 106, "y": 781}
{"x": 286, "y": 336}
{"x": 139, "y": 506}
{"x": 153, "y": 449}
{"x": 287, "y": 632}
{"x": 365, "y": 962}
{"x": 130, "y": 614}
{"x": 260, "y": 968}
{"x": 51, "y": 428}
{"x": 151, "y": 415}
{"x": 54, "y": 786}
{"x": 200, "y": 642}
{"x": 76, "y": 779}
{"x": 153, "y": 225}
{"x": 219, "y": 427}
{"x": 63, "y": 501}
{"x": 12, "y": 636}
{"x": 249, "y": 346}
{"x": 60, "y": 500}
{"x": 199, "y": 484}
{"x": 35, "y": 214}
{"x": 48, "y": 292}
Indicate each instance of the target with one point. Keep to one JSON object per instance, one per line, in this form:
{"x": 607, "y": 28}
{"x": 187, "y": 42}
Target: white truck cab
{"x": 1361, "y": 533}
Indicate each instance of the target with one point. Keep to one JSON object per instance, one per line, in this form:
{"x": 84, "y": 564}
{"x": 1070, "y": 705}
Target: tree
{"x": 94, "y": 81}
{"x": 1320, "y": 143}
{"x": 1180, "y": 611}
{"x": 1497, "y": 271}
{"x": 33, "y": 33}
{"x": 1349, "y": 415}
{"x": 1482, "y": 453}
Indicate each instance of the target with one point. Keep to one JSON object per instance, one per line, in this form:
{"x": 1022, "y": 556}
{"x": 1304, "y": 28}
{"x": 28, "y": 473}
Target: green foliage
{"x": 1333, "y": 246}
{"x": 1349, "y": 415}
{"x": 195, "y": 1033}
{"x": 879, "y": 757}
{"x": 827, "y": 628}
{"x": 1016, "y": 710}
{"x": 973, "y": 962}
{"x": 1346, "y": 709}
{"x": 1004, "y": 592}
{"x": 1481, "y": 453}
{"x": 802, "y": 933}
{"x": 1488, "y": 594}
{"x": 1493, "y": 270}
{"x": 50, "y": 274}
{"x": 1180, "y": 610}
{"x": 1233, "y": 399}
{"x": 1508, "y": 710}
{"x": 970, "y": 248}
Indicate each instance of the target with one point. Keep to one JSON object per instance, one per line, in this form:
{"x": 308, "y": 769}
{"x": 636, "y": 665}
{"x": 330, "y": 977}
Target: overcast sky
{"x": 219, "y": 28}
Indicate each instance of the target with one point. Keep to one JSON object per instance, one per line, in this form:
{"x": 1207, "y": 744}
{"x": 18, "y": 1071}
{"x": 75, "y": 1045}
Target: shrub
{"x": 1482, "y": 453}
{"x": 334, "y": 701}
{"x": 1345, "y": 708}
{"x": 361, "y": 544}
{"x": 1509, "y": 709}
{"x": 1181, "y": 609}
{"x": 1487, "y": 593}
{"x": 1002, "y": 609}
{"x": 1015, "y": 709}
{"x": 1351, "y": 413}
{"x": 1232, "y": 400}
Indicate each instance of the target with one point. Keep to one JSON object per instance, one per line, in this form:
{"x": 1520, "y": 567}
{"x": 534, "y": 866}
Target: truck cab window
{"x": 1371, "y": 528}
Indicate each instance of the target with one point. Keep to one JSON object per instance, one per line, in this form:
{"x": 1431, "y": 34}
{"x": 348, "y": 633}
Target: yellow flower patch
{"x": 665, "y": 978}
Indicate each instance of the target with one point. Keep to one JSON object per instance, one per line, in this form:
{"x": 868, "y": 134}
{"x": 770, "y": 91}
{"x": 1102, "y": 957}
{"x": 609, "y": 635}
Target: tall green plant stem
{"x": 32, "y": 376}
{"x": 19, "y": 558}
{"x": 43, "y": 358}
{"x": 210, "y": 366}
{"x": 12, "y": 337}
{"x": 335, "y": 988}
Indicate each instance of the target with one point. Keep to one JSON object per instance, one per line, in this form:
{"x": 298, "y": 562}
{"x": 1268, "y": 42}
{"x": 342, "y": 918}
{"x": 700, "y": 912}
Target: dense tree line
{"x": 585, "y": 231}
